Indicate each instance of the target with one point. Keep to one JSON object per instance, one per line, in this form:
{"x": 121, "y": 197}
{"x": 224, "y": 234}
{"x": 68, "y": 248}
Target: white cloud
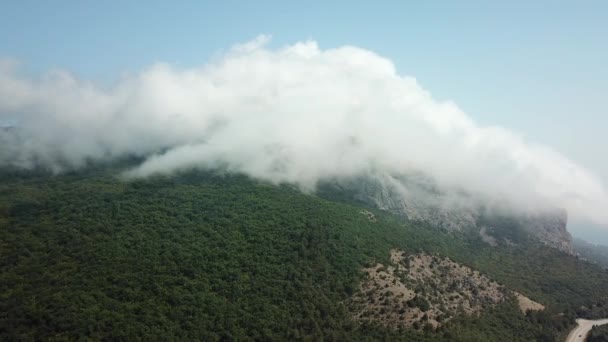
{"x": 295, "y": 114}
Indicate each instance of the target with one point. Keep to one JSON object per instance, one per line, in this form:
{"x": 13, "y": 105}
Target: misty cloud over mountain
{"x": 297, "y": 114}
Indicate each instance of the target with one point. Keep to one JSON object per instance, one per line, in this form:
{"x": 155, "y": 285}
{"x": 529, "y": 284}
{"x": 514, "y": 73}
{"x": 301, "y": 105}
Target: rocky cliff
{"x": 417, "y": 199}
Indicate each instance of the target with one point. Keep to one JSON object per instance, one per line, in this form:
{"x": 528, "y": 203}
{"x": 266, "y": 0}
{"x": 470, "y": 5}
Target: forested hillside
{"x": 598, "y": 334}
{"x": 592, "y": 252}
{"x": 207, "y": 256}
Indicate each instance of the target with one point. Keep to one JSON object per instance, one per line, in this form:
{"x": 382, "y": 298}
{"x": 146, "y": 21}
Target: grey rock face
{"x": 550, "y": 228}
{"x": 419, "y": 200}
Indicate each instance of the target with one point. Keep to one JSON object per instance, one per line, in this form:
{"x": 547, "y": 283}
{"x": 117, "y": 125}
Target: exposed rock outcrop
{"x": 419, "y": 290}
{"x": 417, "y": 199}
{"x": 550, "y": 228}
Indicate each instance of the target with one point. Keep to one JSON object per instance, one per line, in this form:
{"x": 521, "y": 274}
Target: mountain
{"x": 214, "y": 256}
{"x": 418, "y": 199}
{"x": 592, "y": 252}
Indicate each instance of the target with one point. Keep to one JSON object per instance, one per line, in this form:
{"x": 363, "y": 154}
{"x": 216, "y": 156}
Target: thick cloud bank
{"x": 296, "y": 114}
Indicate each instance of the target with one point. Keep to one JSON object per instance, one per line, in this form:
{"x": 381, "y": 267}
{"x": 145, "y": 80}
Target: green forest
{"x": 217, "y": 257}
{"x": 593, "y": 253}
{"x": 598, "y": 334}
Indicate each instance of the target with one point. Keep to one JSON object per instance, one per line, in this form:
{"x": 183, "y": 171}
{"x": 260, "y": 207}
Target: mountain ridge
{"x": 418, "y": 200}
{"x": 216, "y": 256}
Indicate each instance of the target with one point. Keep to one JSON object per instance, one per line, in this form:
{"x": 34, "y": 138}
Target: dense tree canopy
{"x": 208, "y": 256}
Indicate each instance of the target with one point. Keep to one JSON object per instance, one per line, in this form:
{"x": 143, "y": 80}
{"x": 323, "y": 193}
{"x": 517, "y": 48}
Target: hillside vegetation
{"x": 598, "y": 334}
{"x": 593, "y": 253}
{"x": 418, "y": 289}
{"x": 207, "y": 256}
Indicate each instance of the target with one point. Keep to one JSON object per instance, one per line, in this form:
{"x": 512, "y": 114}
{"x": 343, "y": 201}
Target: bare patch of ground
{"x": 420, "y": 290}
{"x": 369, "y": 214}
{"x": 526, "y": 303}
{"x": 485, "y": 237}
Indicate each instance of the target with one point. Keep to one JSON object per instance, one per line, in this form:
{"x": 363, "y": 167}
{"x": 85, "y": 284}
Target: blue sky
{"x": 538, "y": 68}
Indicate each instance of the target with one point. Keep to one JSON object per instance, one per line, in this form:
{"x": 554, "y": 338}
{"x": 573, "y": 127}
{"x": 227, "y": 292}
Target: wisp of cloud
{"x": 297, "y": 114}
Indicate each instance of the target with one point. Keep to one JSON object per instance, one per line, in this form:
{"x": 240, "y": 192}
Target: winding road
{"x": 579, "y": 333}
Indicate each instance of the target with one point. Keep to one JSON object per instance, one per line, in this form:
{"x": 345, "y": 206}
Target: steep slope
{"x": 421, "y": 289}
{"x": 219, "y": 257}
{"x": 595, "y": 253}
{"x": 418, "y": 199}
